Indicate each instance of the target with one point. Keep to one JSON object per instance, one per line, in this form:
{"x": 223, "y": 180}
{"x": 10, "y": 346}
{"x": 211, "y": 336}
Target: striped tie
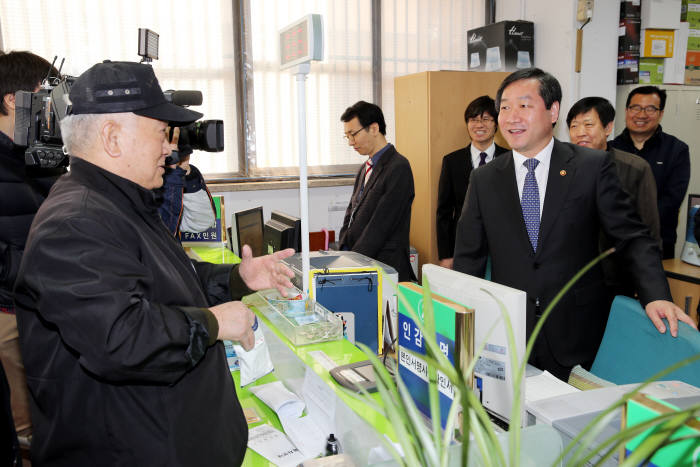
{"x": 530, "y": 203}
{"x": 368, "y": 170}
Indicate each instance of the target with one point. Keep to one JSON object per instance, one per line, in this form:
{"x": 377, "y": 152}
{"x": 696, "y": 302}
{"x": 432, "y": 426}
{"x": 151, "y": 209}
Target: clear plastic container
{"x": 299, "y": 319}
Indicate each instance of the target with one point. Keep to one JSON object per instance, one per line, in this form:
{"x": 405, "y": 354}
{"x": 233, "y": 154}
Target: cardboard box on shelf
{"x": 627, "y": 68}
{"x": 628, "y": 35}
{"x": 657, "y": 43}
{"x": 692, "y": 16}
{"x": 693, "y": 42}
{"x": 674, "y": 67}
{"x": 502, "y": 46}
{"x": 630, "y": 9}
{"x": 661, "y": 14}
{"x": 692, "y": 68}
{"x": 651, "y": 70}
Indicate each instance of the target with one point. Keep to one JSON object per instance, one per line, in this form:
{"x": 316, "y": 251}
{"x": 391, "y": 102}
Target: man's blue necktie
{"x": 482, "y": 158}
{"x": 530, "y": 202}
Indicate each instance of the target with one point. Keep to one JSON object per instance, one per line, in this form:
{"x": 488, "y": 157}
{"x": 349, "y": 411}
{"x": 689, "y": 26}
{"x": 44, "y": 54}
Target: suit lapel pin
{"x": 562, "y": 172}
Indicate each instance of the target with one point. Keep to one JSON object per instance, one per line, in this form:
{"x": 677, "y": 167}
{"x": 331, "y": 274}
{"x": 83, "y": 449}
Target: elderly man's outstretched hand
{"x": 266, "y": 272}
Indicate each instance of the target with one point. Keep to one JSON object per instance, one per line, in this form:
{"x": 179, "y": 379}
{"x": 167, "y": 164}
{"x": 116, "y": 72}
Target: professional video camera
{"x": 37, "y": 116}
{"x": 203, "y": 135}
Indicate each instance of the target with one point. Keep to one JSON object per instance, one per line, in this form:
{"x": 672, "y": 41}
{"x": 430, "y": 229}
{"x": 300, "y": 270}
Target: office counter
{"x": 356, "y": 425}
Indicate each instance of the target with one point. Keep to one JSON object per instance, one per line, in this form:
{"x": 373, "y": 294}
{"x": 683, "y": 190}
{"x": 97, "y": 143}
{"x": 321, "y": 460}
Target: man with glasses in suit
{"x": 378, "y": 217}
{"x": 457, "y": 167}
{"x": 668, "y": 156}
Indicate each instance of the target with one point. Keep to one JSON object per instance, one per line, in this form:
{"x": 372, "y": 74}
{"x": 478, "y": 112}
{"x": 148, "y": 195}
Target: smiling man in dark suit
{"x": 538, "y": 211}
{"x": 378, "y": 217}
{"x": 457, "y": 166}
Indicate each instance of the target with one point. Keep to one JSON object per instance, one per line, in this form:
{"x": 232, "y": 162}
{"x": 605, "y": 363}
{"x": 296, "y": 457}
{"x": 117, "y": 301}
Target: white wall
{"x": 555, "y": 47}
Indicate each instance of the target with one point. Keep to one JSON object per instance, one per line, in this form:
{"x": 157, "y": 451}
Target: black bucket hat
{"x": 114, "y": 87}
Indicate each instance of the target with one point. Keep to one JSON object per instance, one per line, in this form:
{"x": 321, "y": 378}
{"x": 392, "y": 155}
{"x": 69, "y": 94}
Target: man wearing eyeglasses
{"x": 378, "y": 217}
{"x": 668, "y": 156}
{"x": 457, "y": 166}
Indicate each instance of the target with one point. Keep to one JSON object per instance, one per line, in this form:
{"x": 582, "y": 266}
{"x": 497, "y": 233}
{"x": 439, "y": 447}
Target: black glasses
{"x": 352, "y": 134}
{"x": 485, "y": 120}
{"x": 649, "y": 109}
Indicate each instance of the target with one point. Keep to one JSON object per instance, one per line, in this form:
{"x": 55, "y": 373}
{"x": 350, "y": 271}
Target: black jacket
{"x": 22, "y": 190}
{"x": 583, "y": 196}
{"x": 669, "y": 159}
{"x": 119, "y": 347}
{"x": 452, "y": 188}
{"x": 377, "y": 220}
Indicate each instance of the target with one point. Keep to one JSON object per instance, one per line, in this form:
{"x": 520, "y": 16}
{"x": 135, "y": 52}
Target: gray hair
{"x": 77, "y": 132}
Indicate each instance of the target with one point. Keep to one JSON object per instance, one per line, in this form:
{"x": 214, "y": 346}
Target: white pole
{"x": 302, "y": 71}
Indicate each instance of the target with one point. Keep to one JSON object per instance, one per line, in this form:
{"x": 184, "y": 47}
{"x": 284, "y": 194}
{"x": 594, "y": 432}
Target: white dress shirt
{"x": 476, "y": 154}
{"x": 541, "y": 171}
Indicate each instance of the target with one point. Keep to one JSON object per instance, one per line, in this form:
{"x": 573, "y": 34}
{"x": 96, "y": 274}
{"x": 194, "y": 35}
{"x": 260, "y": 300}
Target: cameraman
{"x": 22, "y": 190}
{"x": 185, "y": 201}
{"x": 121, "y": 331}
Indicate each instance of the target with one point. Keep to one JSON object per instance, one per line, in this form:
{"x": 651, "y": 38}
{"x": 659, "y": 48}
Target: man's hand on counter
{"x": 266, "y": 272}
{"x": 235, "y": 323}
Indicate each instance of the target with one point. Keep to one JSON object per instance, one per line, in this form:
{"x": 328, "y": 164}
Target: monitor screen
{"x": 493, "y": 374}
{"x": 282, "y": 231}
{"x": 248, "y": 230}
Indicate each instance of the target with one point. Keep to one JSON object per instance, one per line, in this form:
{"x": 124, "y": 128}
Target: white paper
{"x": 544, "y": 386}
{"x": 658, "y": 47}
{"x": 274, "y": 446}
{"x": 323, "y": 359}
{"x": 320, "y": 400}
{"x": 306, "y": 435}
{"x": 285, "y": 403}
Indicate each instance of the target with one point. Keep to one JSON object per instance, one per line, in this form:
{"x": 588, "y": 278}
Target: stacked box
{"x": 627, "y": 68}
{"x": 657, "y": 43}
{"x": 674, "y": 67}
{"x": 692, "y": 67}
{"x": 651, "y": 71}
{"x": 693, "y": 18}
{"x": 629, "y": 42}
{"x": 630, "y": 9}
{"x": 502, "y": 46}
{"x": 692, "y": 59}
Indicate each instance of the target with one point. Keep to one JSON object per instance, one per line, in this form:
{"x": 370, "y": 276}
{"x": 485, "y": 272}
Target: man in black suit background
{"x": 378, "y": 217}
{"x": 480, "y": 118}
{"x": 590, "y": 122}
{"x": 668, "y": 156}
{"x": 538, "y": 211}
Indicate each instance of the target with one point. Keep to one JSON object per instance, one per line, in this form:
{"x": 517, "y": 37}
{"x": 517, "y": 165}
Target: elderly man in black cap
{"x": 120, "y": 331}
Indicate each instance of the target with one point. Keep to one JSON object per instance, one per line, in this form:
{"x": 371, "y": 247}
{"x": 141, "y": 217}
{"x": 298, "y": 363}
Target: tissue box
{"x": 503, "y": 46}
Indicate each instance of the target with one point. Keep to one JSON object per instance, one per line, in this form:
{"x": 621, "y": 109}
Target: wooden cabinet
{"x": 430, "y": 123}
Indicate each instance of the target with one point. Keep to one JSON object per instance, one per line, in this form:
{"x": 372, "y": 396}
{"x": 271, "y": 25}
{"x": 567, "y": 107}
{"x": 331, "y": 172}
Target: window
{"x": 423, "y": 36}
{"x": 196, "y": 48}
{"x": 199, "y": 48}
{"x": 341, "y": 79}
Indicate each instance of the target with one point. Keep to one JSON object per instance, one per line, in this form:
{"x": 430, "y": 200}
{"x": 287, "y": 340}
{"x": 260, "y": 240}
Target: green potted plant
{"x": 477, "y": 441}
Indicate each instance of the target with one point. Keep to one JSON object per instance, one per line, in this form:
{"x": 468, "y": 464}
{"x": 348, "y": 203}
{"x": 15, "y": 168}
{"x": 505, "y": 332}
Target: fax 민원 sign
{"x": 412, "y": 369}
{"x": 212, "y": 234}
